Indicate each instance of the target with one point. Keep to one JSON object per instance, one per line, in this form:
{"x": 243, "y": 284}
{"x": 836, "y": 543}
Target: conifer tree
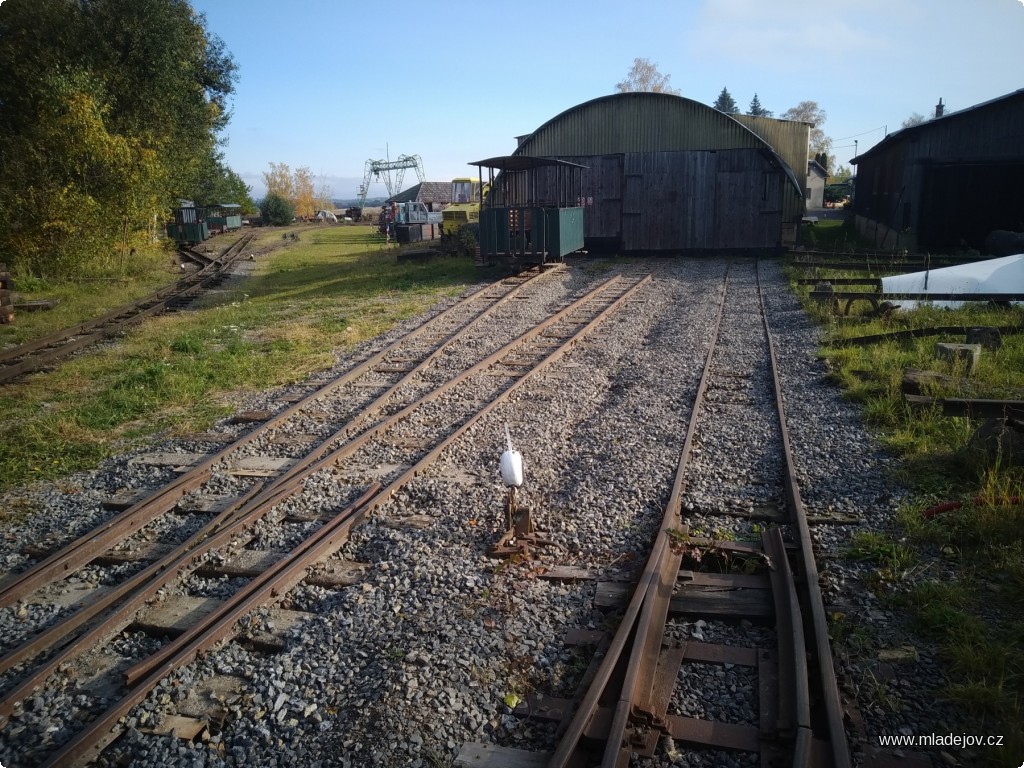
{"x": 726, "y": 103}
{"x": 756, "y": 110}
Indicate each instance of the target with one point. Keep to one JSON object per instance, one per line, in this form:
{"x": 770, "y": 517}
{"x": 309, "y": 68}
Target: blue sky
{"x": 330, "y": 85}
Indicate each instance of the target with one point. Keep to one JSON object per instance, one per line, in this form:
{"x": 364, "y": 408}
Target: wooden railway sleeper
{"x": 87, "y": 546}
{"x": 268, "y": 496}
{"x": 101, "y": 732}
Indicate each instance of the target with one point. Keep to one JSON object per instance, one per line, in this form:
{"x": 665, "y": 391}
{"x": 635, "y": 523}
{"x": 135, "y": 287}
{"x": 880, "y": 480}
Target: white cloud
{"x": 790, "y": 35}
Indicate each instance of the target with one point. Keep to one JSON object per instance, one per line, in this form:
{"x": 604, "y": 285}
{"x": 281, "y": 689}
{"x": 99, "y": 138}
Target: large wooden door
{"x": 668, "y": 200}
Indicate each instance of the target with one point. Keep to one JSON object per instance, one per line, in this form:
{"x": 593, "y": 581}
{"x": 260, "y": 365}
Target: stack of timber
{"x": 6, "y": 296}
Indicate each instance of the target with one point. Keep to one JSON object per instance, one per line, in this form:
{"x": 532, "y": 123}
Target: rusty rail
{"x": 93, "y": 543}
{"x": 649, "y": 601}
{"x": 639, "y": 707}
{"x": 829, "y": 687}
{"x": 288, "y": 571}
{"x": 143, "y": 585}
{"x": 285, "y": 574}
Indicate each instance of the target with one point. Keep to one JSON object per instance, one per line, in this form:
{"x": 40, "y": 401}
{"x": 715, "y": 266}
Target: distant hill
{"x": 371, "y": 202}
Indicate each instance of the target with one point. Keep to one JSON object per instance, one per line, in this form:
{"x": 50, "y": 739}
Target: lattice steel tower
{"x": 375, "y": 168}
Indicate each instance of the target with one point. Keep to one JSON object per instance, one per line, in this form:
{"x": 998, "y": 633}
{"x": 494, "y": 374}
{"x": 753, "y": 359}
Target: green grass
{"x": 83, "y": 299}
{"x": 331, "y": 290}
{"x": 974, "y": 614}
{"x": 834, "y": 235}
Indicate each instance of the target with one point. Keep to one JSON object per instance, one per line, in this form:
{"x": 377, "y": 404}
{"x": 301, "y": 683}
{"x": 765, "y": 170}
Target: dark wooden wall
{"x": 679, "y": 200}
{"x": 949, "y": 181}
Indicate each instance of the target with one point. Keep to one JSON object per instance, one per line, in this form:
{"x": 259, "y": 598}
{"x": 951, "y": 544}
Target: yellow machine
{"x": 461, "y": 220}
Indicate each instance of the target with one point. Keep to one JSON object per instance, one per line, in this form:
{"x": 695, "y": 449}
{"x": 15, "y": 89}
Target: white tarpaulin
{"x": 1005, "y": 275}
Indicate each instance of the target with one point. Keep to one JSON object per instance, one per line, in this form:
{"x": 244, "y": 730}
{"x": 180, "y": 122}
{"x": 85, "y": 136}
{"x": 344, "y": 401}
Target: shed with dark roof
{"x": 666, "y": 173}
{"x": 947, "y": 182}
{"x": 435, "y": 195}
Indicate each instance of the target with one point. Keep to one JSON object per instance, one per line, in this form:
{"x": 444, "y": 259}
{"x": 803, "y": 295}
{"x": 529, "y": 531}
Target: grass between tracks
{"x": 958, "y": 575}
{"x": 308, "y": 299}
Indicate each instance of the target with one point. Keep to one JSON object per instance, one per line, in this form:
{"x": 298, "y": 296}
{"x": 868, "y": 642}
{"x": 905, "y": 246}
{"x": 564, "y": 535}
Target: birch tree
{"x": 303, "y": 197}
{"x": 278, "y": 181}
{"x": 645, "y": 77}
{"x": 810, "y": 112}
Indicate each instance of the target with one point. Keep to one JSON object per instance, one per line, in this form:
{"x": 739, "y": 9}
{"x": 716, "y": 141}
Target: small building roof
{"x": 814, "y": 165}
{"x": 437, "y": 192}
{"x": 523, "y": 163}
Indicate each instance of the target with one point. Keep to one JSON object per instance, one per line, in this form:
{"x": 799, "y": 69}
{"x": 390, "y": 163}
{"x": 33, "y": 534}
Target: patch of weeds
{"x": 895, "y": 559}
{"x": 338, "y": 324}
{"x": 881, "y": 548}
{"x": 566, "y": 676}
{"x": 436, "y": 759}
{"x": 723, "y": 534}
{"x": 882, "y": 694}
{"x": 939, "y": 610}
{"x": 881, "y": 411}
{"x": 520, "y": 679}
{"x": 678, "y": 540}
{"x": 856, "y": 637}
{"x": 17, "y": 510}
{"x": 187, "y": 344}
{"x": 484, "y": 675}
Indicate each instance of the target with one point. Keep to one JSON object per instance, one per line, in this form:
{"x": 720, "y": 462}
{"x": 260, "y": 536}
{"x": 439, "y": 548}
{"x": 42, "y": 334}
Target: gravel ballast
{"x": 438, "y": 640}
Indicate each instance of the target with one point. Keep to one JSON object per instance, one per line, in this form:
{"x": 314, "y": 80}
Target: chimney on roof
{"x": 939, "y": 108}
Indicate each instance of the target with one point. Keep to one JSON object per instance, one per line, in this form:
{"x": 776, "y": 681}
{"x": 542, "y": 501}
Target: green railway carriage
{"x": 225, "y": 217}
{"x": 192, "y": 224}
{"x": 188, "y": 226}
{"x": 533, "y": 213}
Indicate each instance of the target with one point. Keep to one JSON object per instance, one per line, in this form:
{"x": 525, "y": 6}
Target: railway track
{"x": 411, "y": 408}
{"x": 702, "y": 604}
{"x": 45, "y": 352}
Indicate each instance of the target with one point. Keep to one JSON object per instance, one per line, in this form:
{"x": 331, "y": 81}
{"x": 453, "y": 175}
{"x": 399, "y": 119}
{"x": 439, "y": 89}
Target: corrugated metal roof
{"x": 638, "y": 122}
{"x": 789, "y": 139}
{"x": 660, "y": 122}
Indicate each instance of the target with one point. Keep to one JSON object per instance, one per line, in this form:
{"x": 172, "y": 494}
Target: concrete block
{"x": 966, "y": 354}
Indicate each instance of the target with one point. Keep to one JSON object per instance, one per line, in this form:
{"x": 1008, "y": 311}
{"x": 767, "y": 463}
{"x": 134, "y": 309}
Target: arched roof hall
{"x": 669, "y": 173}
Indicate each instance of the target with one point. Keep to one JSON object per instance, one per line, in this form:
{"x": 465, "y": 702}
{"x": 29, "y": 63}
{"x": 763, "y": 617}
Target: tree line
{"x": 293, "y": 193}
{"x": 110, "y": 112}
{"x": 806, "y": 112}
